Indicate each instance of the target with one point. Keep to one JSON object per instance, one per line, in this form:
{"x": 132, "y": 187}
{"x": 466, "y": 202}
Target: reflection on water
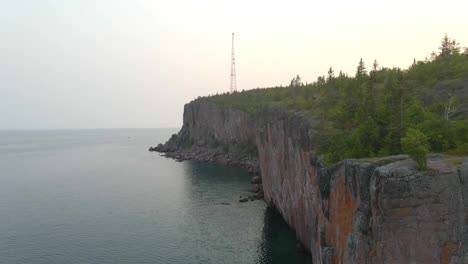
{"x": 100, "y": 197}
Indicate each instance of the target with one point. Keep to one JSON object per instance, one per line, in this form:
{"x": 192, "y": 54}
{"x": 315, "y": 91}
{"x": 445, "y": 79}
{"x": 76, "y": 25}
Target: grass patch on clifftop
{"x": 368, "y": 113}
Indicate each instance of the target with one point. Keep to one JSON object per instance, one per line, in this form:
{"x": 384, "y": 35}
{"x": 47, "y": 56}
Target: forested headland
{"x": 378, "y": 111}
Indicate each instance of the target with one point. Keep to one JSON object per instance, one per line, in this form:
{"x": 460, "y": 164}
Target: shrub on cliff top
{"x": 416, "y": 146}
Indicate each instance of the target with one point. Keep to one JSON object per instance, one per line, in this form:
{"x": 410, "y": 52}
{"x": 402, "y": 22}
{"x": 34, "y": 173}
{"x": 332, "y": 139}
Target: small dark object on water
{"x": 243, "y": 200}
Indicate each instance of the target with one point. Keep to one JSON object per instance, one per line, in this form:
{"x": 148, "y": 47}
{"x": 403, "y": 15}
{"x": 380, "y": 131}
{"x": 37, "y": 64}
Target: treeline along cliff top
{"x": 378, "y": 111}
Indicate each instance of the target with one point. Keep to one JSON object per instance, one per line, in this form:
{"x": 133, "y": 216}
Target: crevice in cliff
{"x": 324, "y": 183}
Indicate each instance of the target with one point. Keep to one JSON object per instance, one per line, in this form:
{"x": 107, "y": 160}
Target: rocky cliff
{"x": 358, "y": 211}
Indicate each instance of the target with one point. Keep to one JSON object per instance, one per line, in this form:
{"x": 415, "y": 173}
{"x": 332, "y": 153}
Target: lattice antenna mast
{"x": 233, "y": 69}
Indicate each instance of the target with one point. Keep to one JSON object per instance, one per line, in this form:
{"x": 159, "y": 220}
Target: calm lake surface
{"x": 98, "y": 196}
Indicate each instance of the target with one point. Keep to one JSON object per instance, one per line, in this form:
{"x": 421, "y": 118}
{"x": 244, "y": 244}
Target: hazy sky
{"x": 115, "y": 63}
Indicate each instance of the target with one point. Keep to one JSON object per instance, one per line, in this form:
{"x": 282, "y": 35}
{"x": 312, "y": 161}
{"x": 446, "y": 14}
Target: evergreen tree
{"x": 448, "y": 47}
{"x": 296, "y": 81}
{"x": 321, "y": 80}
{"x": 375, "y": 65}
{"x": 393, "y": 110}
{"x": 361, "y": 70}
{"x": 341, "y": 75}
{"x": 331, "y": 74}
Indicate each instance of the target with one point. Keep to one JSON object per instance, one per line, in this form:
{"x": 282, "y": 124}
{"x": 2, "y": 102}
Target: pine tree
{"x": 448, "y": 47}
{"x": 331, "y": 74}
{"x": 296, "y": 82}
{"x": 361, "y": 70}
{"x": 394, "y": 107}
{"x": 375, "y": 65}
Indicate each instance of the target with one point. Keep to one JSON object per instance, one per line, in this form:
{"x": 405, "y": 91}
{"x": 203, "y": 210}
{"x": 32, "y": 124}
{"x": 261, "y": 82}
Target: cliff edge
{"x": 379, "y": 210}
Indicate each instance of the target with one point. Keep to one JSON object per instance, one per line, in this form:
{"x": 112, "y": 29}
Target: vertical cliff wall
{"x": 206, "y": 121}
{"x": 359, "y": 211}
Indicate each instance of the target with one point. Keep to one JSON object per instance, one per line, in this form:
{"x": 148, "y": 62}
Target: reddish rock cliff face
{"x": 359, "y": 211}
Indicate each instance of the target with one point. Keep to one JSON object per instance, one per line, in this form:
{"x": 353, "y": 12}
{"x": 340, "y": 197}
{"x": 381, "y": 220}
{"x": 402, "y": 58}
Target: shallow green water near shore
{"x": 98, "y": 196}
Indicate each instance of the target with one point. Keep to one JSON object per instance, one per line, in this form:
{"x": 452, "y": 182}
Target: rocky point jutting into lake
{"x": 328, "y": 155}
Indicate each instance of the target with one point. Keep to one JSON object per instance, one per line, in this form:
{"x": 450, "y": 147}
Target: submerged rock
{"x": 243, "y": 200}
{"x": 254, "y": 188}
{"x": 255, "y": 180}
{"x": 259, "y": 196}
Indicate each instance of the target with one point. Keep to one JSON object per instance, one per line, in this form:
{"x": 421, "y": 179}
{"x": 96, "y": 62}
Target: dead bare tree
{"x": 451, "y": 107}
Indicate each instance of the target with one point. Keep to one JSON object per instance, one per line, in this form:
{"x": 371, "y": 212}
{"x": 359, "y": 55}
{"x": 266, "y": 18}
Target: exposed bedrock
{"x": 206, "y": 122}
{"x": 358, "y": 211}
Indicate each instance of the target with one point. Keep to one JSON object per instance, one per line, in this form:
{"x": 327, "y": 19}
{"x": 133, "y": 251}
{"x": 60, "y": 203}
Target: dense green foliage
{"x": 416, "y": 146}
{"x": 367, "y": 115}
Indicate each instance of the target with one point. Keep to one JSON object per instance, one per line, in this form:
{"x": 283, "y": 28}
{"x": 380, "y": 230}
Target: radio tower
{"x": 233, "y": 69}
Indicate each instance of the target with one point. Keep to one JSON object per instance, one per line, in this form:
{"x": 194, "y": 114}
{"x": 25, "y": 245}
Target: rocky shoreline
{"x": 217, "y": 156}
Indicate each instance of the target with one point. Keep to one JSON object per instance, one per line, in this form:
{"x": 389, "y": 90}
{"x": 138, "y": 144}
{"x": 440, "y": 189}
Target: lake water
{"x": 98, "y": 196}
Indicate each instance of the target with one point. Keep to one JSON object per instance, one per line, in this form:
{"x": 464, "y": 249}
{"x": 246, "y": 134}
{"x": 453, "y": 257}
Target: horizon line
{"x": 97, "y": 128}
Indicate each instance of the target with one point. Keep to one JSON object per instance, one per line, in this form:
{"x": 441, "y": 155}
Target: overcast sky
{"x": 119, "y": 64}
